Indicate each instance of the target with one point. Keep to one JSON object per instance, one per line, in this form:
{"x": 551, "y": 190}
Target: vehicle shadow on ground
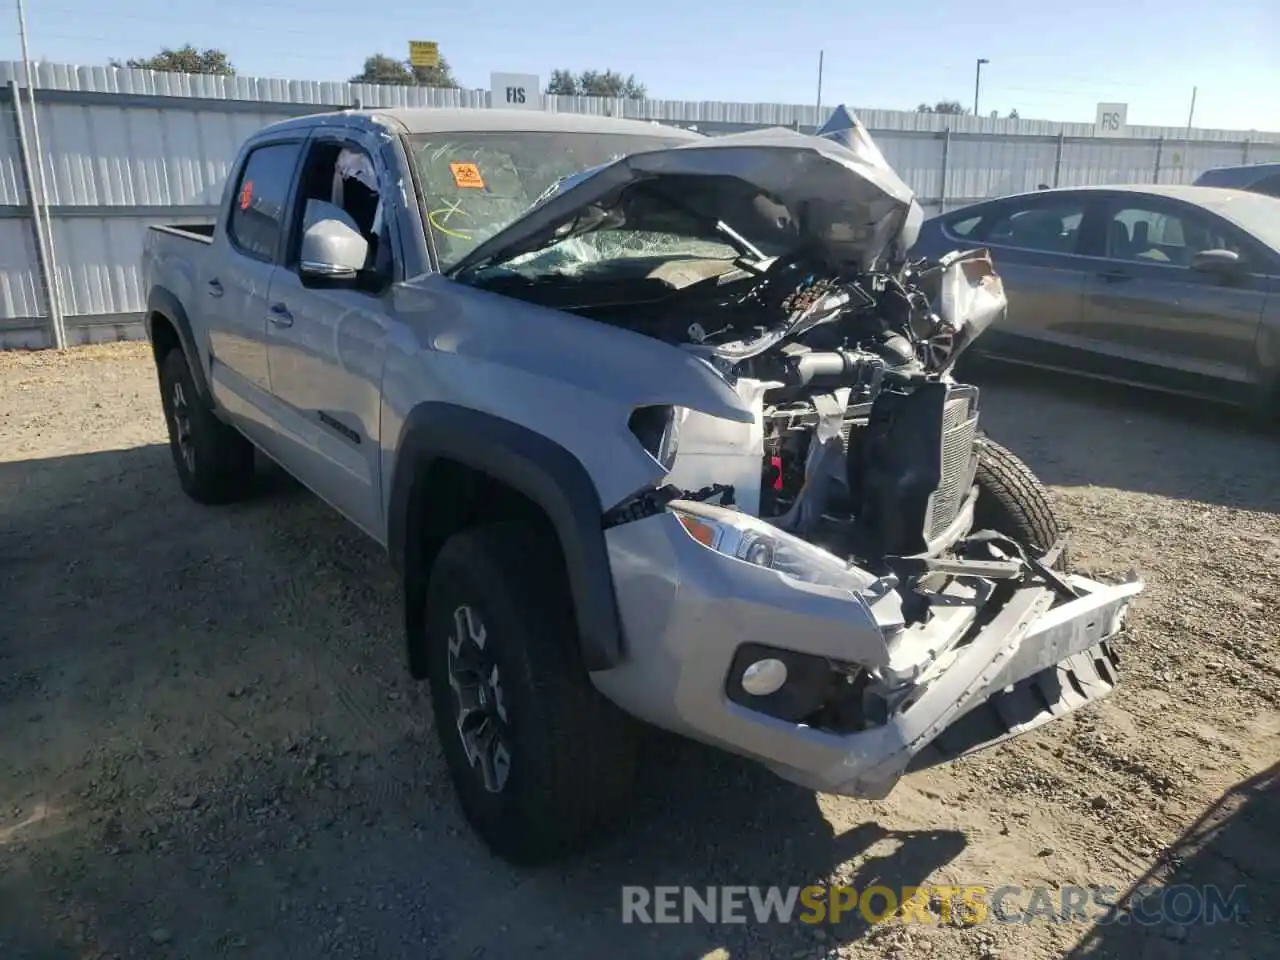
{"x": 212, "y": 750}
{"x": 1152, "y": 442}
{"x": 1231, "y": 847}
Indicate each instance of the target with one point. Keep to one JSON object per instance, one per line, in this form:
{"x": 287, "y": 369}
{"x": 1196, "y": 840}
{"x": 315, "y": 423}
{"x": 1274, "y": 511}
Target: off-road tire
{"x": 214, "y": 461}
{"x": 1013, "y": 501}
{"x": 572, "y": 752}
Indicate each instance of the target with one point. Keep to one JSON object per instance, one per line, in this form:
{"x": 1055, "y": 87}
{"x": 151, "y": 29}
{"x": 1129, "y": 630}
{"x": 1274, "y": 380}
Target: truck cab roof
{"x": 419, "y": 120}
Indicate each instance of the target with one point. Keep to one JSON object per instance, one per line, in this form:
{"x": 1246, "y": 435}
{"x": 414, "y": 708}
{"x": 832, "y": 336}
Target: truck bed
{"x": 203, "y": 232}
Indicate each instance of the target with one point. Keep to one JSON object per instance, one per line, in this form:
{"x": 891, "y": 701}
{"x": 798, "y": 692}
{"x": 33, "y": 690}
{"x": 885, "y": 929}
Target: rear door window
{"x": 1051, "y": 226}
{"x": 258, "y": 204}
{"x": 964, "y": 226}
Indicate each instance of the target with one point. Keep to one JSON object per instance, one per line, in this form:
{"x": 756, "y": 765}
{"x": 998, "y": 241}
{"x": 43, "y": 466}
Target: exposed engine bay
{"x": 782, "y": 261}
{"x": 866, "y": 443}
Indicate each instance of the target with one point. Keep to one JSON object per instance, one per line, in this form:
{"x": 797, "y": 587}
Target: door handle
{"x": 215, "y": 287}
{"x": 279, "y": 315}
{"x": 1116, "y": 275}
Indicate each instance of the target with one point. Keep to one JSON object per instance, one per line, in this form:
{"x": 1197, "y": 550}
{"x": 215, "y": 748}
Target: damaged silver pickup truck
{"x": 653, "y": 426}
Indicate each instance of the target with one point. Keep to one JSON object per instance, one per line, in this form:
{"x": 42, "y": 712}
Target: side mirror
{"x": 1221, "y": 262}
{"x": 332, "y": 245}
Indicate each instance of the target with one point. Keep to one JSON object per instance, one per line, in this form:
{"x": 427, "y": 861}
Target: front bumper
{"x": 687, "y": 609}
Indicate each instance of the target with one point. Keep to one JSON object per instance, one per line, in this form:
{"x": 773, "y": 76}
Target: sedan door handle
{"x": 1116, "y": 276}
{"x": 280, "y": 315}
{"x": 215, "y": 287}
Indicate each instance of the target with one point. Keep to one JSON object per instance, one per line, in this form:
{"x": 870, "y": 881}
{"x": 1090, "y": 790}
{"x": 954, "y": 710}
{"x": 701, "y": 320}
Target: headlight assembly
{"x": 746, "y": 538}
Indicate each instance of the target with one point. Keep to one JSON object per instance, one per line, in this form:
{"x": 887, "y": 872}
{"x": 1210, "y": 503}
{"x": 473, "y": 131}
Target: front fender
{"x": 538, "y": 468}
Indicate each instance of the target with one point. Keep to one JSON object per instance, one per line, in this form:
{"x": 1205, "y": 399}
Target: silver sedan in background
{"x": 1170, "y": 287}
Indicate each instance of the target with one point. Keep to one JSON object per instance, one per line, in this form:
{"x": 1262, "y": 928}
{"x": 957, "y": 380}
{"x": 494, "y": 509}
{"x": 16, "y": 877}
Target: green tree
{"x": 943, "y": 106}
{"x": 562, "y": 84}
{"x": 186, "y": 59}
{"x": 596, "y": 83}
{"x": 380, "y": 68}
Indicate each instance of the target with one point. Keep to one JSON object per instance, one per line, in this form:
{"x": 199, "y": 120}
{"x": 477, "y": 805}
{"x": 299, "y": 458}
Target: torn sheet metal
{"x": 969, "y": 298}
{"x": 715, "y": 450}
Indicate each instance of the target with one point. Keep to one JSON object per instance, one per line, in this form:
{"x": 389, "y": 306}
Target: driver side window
{"x": 1144, "y": 232}
{"x": 343, "y": 174}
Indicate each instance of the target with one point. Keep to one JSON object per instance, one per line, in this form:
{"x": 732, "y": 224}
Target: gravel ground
{"x": 210, "y": 747}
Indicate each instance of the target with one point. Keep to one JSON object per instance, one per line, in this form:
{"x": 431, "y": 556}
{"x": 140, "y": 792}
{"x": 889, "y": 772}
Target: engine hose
{"x": 829, "y": 368}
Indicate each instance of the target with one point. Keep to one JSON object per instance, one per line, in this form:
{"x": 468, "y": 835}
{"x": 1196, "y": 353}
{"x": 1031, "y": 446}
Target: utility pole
{"x": 817, "y": 115}
{"x": 977, "y": 83}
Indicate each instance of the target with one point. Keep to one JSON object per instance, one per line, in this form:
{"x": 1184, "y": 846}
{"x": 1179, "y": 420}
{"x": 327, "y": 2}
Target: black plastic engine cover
{"x": 893, "y": 467}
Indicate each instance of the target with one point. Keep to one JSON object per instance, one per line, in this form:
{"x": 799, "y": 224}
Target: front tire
{"x": 214, "y": 460}
{"x": 541, "y": 762}
{"x": 1013, "y": 501}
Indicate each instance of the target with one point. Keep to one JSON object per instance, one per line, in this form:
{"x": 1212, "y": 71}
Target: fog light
{"x": 764, "y": 677}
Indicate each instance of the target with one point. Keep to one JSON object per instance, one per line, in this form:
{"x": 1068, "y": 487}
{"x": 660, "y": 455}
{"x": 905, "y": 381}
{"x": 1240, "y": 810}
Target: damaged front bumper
{"x": 695, "y": 616}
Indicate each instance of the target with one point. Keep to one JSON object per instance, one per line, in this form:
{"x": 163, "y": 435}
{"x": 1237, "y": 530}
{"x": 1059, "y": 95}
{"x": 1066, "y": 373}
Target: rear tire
{"x": 214, "y": 461}
{"x": 541, "y": 762}
{"x": 1013, "y": 501}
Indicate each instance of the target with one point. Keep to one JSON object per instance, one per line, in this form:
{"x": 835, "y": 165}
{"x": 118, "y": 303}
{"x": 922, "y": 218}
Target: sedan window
{"x": 1051, "y": 227}
{"x": 963, "y": 227}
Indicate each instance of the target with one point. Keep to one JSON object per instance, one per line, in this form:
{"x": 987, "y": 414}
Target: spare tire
{"x": 1013, "y": 501}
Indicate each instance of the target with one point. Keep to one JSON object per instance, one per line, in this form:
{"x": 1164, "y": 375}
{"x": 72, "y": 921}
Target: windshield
{"x": 476, "y": 184}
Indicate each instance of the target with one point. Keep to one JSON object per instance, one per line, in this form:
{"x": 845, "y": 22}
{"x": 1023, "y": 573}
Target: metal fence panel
{"x": 980, "y": 167}
{"x": 20, "y": 294}
{"x": 135, "y": 156}
{"x": 125, "y": 148}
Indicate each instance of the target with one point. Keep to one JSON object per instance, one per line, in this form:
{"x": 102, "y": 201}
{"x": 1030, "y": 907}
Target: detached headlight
{"x": 657, "y": 428}
{"x": 753, "y": 541}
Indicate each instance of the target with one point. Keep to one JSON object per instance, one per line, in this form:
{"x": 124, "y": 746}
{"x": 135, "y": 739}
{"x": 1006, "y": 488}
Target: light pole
{"x": 817, "y": 116}
{"x": 977, "y": 83}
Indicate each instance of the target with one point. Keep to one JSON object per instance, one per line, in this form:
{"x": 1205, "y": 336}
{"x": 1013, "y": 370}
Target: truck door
{"x": 233, "y": 293}
{"x": 326, "y": 341}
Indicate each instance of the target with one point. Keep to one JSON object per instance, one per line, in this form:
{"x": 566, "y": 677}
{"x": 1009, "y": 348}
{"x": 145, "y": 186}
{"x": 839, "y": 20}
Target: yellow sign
{"x": 424, "y": 53}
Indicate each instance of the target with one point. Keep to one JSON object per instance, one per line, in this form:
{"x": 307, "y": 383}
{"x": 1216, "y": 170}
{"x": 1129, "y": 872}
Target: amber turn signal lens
{"x": 704, "y": 533}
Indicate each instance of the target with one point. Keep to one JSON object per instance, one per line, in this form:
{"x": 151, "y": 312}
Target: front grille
{"x": 959, "y": 460}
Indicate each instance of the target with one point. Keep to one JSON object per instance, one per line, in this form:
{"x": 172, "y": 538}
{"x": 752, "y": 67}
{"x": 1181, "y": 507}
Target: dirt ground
{"x": 210, "y": 747}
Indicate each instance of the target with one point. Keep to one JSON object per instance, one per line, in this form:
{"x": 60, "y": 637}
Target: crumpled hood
{"x": 777, "y": 188}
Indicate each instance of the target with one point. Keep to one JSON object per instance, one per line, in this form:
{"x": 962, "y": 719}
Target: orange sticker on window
{"x": 467, "y": 175}
{"x": 246, "y": 195}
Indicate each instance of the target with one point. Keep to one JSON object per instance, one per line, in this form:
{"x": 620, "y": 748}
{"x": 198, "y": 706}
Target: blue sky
{"x": 1054, "y": 61}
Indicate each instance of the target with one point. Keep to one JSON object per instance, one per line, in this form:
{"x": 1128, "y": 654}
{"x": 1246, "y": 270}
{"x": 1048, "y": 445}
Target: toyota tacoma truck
{"x": 656, "y": 428}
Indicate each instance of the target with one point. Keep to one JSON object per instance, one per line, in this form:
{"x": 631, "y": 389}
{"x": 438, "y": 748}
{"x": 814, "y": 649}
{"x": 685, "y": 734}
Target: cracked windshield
{"x": 475, "y": 185}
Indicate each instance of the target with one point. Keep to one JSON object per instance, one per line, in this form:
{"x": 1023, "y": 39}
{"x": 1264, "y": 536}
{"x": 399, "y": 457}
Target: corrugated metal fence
{"x": 123, "y": 148}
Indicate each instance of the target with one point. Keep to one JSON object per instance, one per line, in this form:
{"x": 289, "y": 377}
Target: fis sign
{"x": 515, "y": 91}
{"x": 1111, "y": 120}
